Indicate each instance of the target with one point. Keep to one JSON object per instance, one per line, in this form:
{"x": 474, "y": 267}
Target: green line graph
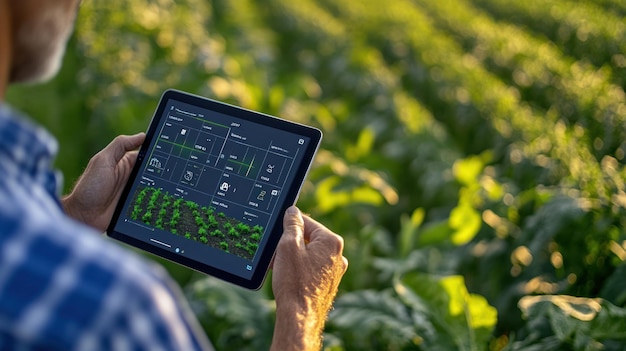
{"x": 177, "y": 144}
{"x": 248, "y": 167}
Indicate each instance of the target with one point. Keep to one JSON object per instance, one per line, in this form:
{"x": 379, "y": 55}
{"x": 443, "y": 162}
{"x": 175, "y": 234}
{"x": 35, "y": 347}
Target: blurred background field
{"x": 473, "y": 156}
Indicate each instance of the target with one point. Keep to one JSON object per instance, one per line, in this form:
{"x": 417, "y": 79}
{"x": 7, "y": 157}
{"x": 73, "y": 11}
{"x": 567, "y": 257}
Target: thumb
{"x": 293, "y": 226}
{"x": 125, "y": 143}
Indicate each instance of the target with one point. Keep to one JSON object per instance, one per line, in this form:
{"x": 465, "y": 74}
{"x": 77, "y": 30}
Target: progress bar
{"x": 161, "y": 243}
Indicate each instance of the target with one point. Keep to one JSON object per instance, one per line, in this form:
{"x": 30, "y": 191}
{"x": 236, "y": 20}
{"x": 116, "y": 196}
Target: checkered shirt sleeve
{"x": 62, "y": 285}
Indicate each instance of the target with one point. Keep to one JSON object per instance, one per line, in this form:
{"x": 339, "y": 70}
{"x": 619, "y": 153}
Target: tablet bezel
{"x": 262, "y": 267}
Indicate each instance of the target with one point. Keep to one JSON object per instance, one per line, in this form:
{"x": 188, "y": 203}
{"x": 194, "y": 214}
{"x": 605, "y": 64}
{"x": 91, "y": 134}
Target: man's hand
{"x": 93, "y": 199}
{"x": 307, "y": 269}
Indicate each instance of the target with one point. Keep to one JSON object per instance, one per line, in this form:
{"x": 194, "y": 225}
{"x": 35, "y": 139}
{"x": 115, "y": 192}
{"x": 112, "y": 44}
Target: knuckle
{"x": 335, "y": 242}
{"x": 97, "y": 157}
{"x": 344, "y": 263}
{"x": 118, "y": 139}
{"x": 293, "y": 221}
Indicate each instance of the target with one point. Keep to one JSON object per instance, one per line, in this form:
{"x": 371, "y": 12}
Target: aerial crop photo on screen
{"x": 203, "y": 224}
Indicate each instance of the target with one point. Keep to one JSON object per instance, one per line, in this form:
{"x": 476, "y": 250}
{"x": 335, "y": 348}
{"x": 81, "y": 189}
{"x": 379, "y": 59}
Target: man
{"x": 65, "y": 287}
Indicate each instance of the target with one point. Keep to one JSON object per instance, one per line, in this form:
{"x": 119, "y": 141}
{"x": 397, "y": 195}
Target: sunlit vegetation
{"x": 473, "y": 155}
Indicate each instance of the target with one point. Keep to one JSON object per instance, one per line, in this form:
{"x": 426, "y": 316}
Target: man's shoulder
{"x": 37, "y": 228}
{"x": 65, "y": 286}
{"x": 19, "y": 132}
{"x": 62, "y": 280}
{"x": 37, "y": 237}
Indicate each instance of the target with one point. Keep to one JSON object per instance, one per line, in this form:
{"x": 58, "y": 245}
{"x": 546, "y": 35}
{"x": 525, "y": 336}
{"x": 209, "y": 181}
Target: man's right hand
{"x": 307, "y": 269}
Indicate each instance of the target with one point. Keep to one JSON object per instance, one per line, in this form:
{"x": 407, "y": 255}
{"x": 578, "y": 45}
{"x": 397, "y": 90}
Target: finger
{"x": 125, "y": 166}
{"x": 313, "y": 229}
{"x": 123, "y": 144}
{"x": 293, "y": 226}
{"x": 131, "y": 156}
{"x": 316, "y": 233}
{"x": 272, "y": 262}
{"x": 345, "y": 263}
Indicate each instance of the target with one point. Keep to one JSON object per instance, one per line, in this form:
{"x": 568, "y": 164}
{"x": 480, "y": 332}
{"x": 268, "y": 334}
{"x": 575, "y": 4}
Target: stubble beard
{"x": 40, "y": 44}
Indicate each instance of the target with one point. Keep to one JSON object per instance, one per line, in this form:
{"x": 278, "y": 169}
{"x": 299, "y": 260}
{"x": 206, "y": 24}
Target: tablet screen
{"x": 211, "y": 185}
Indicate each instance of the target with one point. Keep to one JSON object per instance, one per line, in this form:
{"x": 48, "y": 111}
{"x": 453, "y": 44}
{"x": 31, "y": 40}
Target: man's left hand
{"x": 95, "y": 195}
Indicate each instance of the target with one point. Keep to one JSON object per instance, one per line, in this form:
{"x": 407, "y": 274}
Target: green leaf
{"x": 465, "y": 222}
{"x": 462, "y": 226}
{"x": 435, "y": 234}
{"x": 233, "y": 317}
{"x": 467, "y": 170}
{"x": 614, "y": 289}
{"x": 369, "y": 315}
{"x": 463, "y": 321}
{"x": 363, "y": 145}
{"x": 408, "y": 230}
{"x": 478, "y": 312}
{"x": 584, "y": 323}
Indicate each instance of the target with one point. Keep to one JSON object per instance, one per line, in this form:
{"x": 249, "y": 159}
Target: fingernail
{"x": 293, "y": 210}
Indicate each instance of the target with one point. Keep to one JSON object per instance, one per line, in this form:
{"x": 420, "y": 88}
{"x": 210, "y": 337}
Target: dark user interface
{"x": 210, "y": 184}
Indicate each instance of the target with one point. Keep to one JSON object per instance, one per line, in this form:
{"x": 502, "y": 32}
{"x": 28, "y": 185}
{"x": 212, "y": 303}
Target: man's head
{"x": 39, "y": 30}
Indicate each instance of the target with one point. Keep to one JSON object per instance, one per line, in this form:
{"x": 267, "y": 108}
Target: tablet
{"x": 211, "y": 184}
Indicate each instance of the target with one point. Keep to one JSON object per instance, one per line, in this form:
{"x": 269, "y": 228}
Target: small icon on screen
{"x": 154, "y": 162}
{"x": 188, "y": 176}
{"x": 301, "y": 141}
{"x": 248, "y": 267}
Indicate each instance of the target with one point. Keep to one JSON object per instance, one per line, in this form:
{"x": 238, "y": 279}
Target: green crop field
{"x": 473, "y": 154}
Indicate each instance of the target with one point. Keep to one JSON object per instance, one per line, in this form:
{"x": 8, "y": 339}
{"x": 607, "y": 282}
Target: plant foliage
{"x": 473, "y": 156}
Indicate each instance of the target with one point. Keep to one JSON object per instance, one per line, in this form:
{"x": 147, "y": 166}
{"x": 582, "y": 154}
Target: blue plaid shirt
{"x": 62, "y": 285}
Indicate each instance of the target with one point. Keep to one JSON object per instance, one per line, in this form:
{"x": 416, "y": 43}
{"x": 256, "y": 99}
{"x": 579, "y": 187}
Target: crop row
{"x": 480, "y": 106}
{"x": 574, "y": 91}
{"x": 581, "y": 29}
{"x": 404, "y": 95}
{"x": 364, "y": 96}
{"x": 203, "y": 224}
{"x": 476, "y": 107}
{"x": 426, "y": 66}
{"x": 536, "y": 152}
{"x": 616, "y": 6}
